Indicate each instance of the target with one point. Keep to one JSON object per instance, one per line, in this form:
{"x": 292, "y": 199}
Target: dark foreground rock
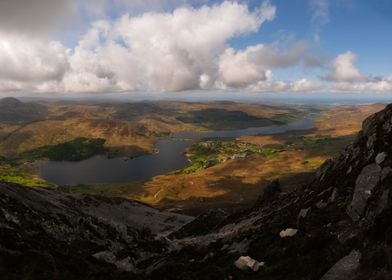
{"x": 52, "y": 235}
{"x": 337, "y": 227}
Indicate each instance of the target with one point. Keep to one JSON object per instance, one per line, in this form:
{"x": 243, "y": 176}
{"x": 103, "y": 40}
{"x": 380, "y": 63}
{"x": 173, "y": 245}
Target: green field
{"x": 207, "y": 153}
{"x": 75, "y": 150}
{"x": 21, "y": 173}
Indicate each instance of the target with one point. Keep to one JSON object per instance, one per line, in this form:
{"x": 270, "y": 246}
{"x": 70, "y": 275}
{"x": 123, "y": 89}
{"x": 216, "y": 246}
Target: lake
{"x": 103, "y": 170}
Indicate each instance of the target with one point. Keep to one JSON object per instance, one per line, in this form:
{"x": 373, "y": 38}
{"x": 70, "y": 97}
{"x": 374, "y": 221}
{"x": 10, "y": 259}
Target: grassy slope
{"x": 19, "y": 173}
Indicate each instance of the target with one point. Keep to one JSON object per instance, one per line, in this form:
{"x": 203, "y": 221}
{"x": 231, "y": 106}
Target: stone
{"x": 345, "y": 268}
{"x": 380, "y": 158}
{"x": 365, "y": 183}
{"x": 321, "y": 204}
{"x": 289, "y": 232}
{"x": 247, "y": 263}
{"x": 303, "y": 213}
{"x": 371, "y": 140}
{"x": 333, "y": 195}
{"x": 323, "y": 169}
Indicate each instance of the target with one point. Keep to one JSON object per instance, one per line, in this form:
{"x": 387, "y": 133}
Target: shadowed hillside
{"x": 14, "y": 111}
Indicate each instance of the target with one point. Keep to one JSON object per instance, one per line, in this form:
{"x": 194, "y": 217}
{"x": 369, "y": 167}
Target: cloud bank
{"x": 155, "y": 51}
{"x": 185, "y": 48}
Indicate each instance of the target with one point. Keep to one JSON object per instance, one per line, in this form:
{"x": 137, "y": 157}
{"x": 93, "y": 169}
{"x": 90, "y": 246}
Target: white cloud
{"x": 161, "y": 51}
{"x": 154, "y": 51}
{"x": 305, "y": 85}
{"x": 343, "y": 69}
{"x": 269, "y": 85}
{"x": 241, "y": 68}
{"x": 183, "y": 49}
{"x": 238, "y": 69}
{"x": 28, "y": 62}
{"x": 345, "y": 77}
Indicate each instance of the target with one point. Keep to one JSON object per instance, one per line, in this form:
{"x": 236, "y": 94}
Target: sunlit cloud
{"x": 164, "y": 46}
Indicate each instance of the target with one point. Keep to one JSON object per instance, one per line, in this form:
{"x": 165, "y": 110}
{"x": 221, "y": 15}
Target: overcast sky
{"x": 106, "y": 46}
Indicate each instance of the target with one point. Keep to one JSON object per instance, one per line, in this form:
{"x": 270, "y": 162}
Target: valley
{"x": 195, "y": 140}
{"x": 335, "y": 227}
{"x": 222, "y": 172}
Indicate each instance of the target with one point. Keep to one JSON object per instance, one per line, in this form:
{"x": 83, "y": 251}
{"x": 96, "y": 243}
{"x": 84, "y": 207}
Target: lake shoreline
{"x": 101, "y": 169}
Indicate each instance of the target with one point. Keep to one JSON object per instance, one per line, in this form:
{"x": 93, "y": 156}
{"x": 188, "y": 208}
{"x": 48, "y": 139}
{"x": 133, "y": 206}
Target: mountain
{"x": 14, "y": 111}
{"x": 336, "y": 227}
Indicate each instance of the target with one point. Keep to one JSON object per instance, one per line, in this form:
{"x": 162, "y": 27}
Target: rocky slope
{"x": 52, "y": 235}
{"x": 337, "y": 227}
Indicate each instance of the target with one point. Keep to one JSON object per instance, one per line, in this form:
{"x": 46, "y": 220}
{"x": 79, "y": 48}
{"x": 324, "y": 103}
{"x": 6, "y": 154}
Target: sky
{"x": 122, "y": 46}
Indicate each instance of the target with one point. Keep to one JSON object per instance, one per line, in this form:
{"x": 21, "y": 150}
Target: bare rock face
{"x": 365, "y": 183}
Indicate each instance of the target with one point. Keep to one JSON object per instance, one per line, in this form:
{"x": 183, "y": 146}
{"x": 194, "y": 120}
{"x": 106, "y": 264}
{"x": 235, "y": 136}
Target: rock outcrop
{"x": 337, "y": 227}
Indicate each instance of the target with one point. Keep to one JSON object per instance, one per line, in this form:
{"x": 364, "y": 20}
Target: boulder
{"x": 247, "y": 263}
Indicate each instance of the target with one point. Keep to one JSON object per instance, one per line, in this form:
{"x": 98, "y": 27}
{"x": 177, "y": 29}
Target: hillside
{"x": 337, "y": 227}
{"x": 290, "y": 157}
{"x": 14, "y": 111}
{"x": 129, "y": 129}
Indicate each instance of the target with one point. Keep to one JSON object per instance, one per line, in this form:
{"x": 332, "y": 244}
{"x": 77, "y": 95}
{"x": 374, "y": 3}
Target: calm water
{"x": 272, "y": 129}
{"x": 101, "y": 170}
